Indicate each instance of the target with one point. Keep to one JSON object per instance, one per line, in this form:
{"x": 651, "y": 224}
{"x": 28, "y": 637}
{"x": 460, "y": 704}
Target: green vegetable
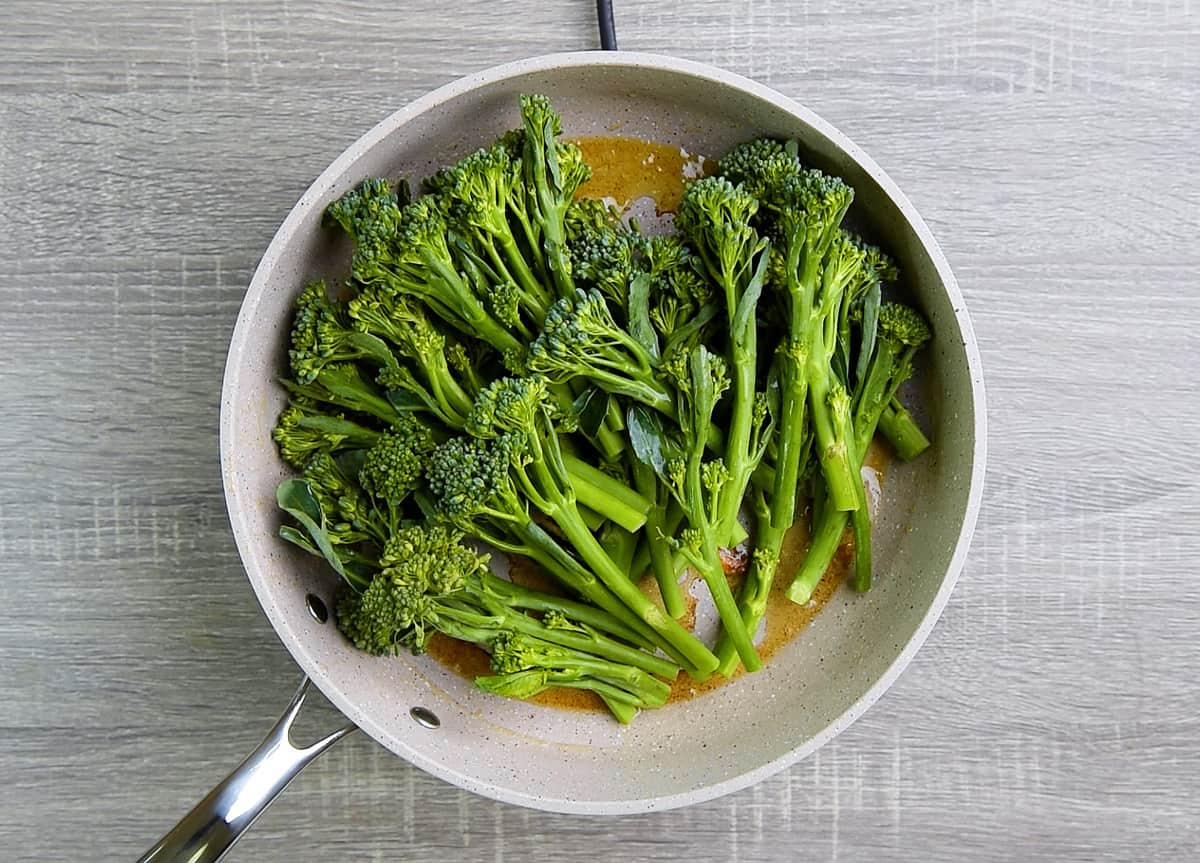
{"x": 513, "y": 461}
{"x": 407, "y": 252}
{"x": 715, "y": 216}
{"x": 902, "y": 431}
{"x": 581, "y": 339}
{"x": 553, "y": 172}
{"x": 514, "y": 365}
{"x": 900, "y": 332}
{"x": 430, "y": 583}
{"x": 703, "y": 486}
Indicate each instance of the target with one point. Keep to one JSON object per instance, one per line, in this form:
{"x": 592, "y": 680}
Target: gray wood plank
{"x": 146, "y": 156}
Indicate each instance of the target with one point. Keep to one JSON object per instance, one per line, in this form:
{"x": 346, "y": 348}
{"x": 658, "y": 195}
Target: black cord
{"x": 608, "y": 30}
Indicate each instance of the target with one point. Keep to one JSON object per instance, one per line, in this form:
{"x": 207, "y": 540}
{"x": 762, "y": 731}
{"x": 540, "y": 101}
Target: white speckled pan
{"x": 687, "y": 752}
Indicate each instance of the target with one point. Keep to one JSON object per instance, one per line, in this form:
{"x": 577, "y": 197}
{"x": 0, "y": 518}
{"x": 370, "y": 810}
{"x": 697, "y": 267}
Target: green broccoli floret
{"x": 553, "y": 172}
{"x": 402, "y": 323}
{"x": 762, "y": 166}
{"x": 901, "y": 333}
{"x": 366, "y": 490}
{"x": 405, "y": 251}
{"x": 481, "y": 191}
{"x": 302, "y": 430}
{"x": 581, "y": 339}
{"x": 587, "y": 217}
{"x": 370, "y": 210}
{"x": 604, "y": 254}
{"x": 328, "y": 338}
{"x": 714, "y": 217}
{"x": 386, "y": 617}
{"x": 512, "y": 406}
{"x": 681, "y": 297}
{"x": 347, "y": 509}
{"x": 322, "y": 335}
{"x": 394, "y": 467}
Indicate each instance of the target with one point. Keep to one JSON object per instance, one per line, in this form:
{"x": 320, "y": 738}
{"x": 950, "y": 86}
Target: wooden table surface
{"x": 148, "y": 152}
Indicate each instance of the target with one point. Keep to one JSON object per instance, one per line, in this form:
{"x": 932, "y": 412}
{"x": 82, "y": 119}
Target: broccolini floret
{"x": 403, "y": 324}
{"x": 581, "y": 339}
{"x": 405, "y": 251}
{"x": 553, "y": 173}
{"x": 714, "y": 217}
{"x": 304, "y": 429}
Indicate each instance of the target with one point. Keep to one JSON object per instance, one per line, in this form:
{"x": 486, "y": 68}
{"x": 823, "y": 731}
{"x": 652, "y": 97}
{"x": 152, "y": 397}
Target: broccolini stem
{"x": 348, "y": 393}
{"x": 524, "y": 276}
{"x": 860, "y": 520}
{"x": 533, "y": 302}
{"x": 606, "y": 495}
{"x": 741, "y": 457}
{"x": 519, "y": 596}
{"x": 646, "y": 392}
{"x": 782, "y": 507}
{"x": 451, "y": 397}
{"x": 707, "y": 561}
{"x": 737, "y": 444}
{"x": 658, "y": 542}
{"x": 466, "y": 312}
{"x": 697, "y": 658}
{"x": 620, "y": 545}
{"x": 622, "y": 712}
{"x": 591, "y": 518}
{"x": 573, "y": 680}
{"x": 500, "y": 620}
{"x": 827, "y": 536}
{"x": 530, "y": 236}
{"x": 902, "y": 431}
{"x": 650, "y": 689}
{"x": 560, "y": 659}
{"x": 610, "y": 442}
{"x": 830, "y": 411}
{"x": 543, "y": 549}
{"x": 608, "y": 691}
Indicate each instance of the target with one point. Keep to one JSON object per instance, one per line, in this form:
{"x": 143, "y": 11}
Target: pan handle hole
{"x": 425, "y": 717}
{"x": 316, "y": 607}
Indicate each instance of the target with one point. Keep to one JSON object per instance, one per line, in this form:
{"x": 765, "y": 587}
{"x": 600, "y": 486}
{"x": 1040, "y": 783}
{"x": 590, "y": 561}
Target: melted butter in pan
{"x": 626, "y": 169}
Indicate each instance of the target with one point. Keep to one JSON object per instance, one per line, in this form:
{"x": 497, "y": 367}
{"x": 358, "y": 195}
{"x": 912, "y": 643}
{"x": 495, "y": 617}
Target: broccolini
{"x": 513, "y": 365}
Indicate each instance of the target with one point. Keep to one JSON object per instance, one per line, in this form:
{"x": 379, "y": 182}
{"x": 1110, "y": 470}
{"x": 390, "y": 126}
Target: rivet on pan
{"x": 316, "y": 607}
{"x": 425, "y": 717}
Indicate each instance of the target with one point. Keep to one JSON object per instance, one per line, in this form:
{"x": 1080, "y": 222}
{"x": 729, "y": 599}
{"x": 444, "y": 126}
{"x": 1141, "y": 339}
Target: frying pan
{"x": 541, "y": 757}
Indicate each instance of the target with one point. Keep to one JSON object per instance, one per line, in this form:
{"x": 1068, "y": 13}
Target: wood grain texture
{"x": 147, "y": 153}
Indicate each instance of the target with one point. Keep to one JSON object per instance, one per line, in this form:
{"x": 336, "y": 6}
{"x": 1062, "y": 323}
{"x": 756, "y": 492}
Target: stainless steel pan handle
{"x": 211, "y": 828}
